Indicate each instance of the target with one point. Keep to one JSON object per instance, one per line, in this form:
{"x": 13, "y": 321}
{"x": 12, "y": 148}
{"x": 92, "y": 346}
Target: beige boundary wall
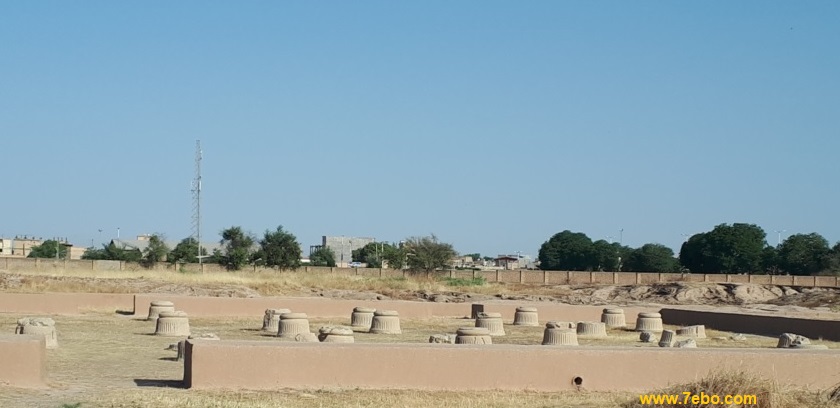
{"x": 754, "y": 323}
{"x": 260, "y": 365}
{"x": 23, "y": 361}
{"x": 534, "y": 277}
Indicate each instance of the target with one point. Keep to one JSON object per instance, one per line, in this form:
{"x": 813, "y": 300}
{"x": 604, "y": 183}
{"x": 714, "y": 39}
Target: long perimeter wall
{"x": 537, "y": 277}
{"x": 260, "y": 365}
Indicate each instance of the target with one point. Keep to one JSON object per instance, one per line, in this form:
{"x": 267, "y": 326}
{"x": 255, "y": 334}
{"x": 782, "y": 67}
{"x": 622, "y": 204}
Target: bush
{"x": 768, "y": 393}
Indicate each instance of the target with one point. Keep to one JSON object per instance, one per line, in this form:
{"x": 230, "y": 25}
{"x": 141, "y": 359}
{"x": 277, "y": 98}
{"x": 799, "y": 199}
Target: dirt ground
{"x": 112, "y": 360}
{"x": 360, "y": 288}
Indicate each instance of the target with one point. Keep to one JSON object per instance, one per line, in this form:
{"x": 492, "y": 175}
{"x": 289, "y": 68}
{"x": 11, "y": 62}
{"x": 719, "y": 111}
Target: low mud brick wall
{"x": 754, "y": 323}
{"x": 23, "y": 361}
{"x": 262, "y": 365}
{"x": 64, "y": 303}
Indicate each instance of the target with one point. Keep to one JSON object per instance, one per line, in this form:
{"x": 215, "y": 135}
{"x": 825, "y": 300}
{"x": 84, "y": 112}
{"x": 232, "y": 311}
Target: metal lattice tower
{"x": 196, "y": 193}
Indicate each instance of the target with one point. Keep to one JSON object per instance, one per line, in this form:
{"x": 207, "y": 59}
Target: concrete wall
{"x": 261, "y": 365}
{"x": 754, "y": 323}
{"x": 513, "y": 276}
{"x": 23, "y": 361}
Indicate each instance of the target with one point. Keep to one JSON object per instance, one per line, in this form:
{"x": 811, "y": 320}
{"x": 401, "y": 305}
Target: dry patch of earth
{"x": 765, "y": 297}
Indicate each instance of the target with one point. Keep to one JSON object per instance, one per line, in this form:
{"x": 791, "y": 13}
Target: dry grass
{"x": 768, "y": 394}
{"x": 264, "y": 283}
{"x": 109, "y": 360}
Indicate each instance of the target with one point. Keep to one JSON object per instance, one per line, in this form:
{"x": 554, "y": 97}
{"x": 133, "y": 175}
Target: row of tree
{"x": 736, "y": 248}
{"x": 574, "y": 251}
{"x": 277, "y": 248}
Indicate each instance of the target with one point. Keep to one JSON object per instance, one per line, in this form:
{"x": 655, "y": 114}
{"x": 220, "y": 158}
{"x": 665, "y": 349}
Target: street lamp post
{"x": 621, "y": 236}
{"x": 779, "y": 241}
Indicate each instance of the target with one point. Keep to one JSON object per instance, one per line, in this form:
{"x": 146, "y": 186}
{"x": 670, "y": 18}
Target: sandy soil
{"x": 111, "y": 360}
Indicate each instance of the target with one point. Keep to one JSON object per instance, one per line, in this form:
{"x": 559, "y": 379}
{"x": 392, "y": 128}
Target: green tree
{"x": 735, "y": 248}
{"x": 156, "y": 251}
{"x": 111, "y": 252}
{"x": 322, "y": 257}
{"x": 280, "y": 249}
{"x": 366, "y": 254}
{"x": 770, "y": 264}
{"x": 48, "y": 249}
{"x": 375, "y": 253}
{"x": 567, "y": 251}
{"x": 393, "y": 257}
{"x": 216, "y": 257}
{"x": 832, "y": 263}
{"x": 652, "y": 258}
{"x": 94, "y": 254}
{"x": 427, "y": 253}
{"x": 738, "y": 248}
{"x": 606, "y": 255}
{"x": 694, "y": 255}
{"x": 804, "y": 254}
{"x": 186, "y": 252}
{"x": 237, "y": 248}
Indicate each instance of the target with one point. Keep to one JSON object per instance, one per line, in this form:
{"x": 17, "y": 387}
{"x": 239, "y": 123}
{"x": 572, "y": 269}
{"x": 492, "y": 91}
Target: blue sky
{"x": 491, "y": 124}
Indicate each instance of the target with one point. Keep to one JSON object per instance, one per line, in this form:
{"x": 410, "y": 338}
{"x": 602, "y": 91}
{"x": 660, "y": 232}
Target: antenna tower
{"x": 196, "y": 193}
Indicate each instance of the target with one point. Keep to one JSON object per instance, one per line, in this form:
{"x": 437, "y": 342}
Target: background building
{"x": 21, "y": 245}
{"x": 343, "y": 247}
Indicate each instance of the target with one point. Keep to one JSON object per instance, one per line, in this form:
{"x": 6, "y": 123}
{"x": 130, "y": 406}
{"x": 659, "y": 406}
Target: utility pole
{"x": 196, "y": 193}
{"x": 779, "y": 242}
{"x": 621, "y": 236}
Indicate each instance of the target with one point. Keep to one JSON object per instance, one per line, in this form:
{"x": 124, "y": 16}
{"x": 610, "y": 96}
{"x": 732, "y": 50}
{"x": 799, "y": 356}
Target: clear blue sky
{"x": 491, "y": 124}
